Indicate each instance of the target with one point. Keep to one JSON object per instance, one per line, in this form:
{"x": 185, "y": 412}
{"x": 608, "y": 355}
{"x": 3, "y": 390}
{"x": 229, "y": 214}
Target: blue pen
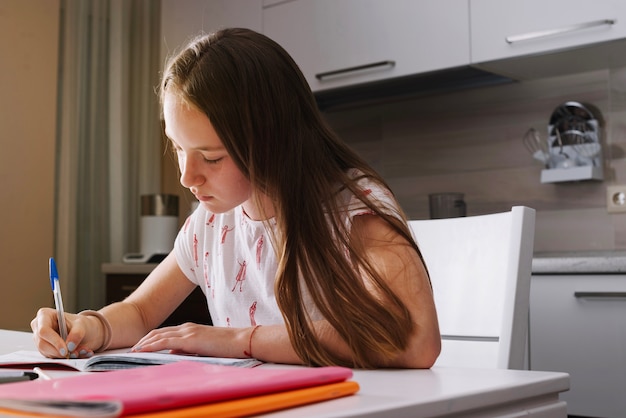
{"x": 58, "y": 300}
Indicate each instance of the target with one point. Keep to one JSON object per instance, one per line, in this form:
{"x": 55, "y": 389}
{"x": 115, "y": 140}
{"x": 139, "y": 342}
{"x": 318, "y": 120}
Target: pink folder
{"x": 175, "y": 385}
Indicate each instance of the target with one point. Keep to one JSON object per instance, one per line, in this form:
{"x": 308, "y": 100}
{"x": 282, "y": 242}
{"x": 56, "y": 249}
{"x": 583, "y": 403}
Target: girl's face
{"x": 205, "y": 166}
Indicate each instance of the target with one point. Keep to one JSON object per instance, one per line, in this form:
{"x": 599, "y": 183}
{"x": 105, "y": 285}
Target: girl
{"x": 303, "y": 253}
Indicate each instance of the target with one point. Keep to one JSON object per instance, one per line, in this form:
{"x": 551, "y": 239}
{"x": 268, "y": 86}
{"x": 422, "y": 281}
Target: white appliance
{"x": 158, "y": 228}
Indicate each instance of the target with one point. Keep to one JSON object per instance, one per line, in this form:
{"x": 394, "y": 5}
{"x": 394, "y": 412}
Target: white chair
{"x": 480, "y": 269}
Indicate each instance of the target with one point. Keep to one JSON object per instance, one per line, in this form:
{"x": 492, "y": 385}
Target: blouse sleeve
{"x": 186, "y": 246}
{"x": 381, "y": 196}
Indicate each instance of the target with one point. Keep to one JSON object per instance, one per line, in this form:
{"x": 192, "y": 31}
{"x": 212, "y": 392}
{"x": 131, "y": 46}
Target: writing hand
{"x": 48, "y": 341}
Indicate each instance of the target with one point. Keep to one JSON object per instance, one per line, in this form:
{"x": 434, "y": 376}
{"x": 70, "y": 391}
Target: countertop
{"x": 607, "y": 262}
{"x": 127, "y": 268}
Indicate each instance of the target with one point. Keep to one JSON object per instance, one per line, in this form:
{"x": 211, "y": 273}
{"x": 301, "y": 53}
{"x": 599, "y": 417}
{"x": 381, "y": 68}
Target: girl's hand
{"x": 190, "y": 338}
{"x": 45, "y": 328}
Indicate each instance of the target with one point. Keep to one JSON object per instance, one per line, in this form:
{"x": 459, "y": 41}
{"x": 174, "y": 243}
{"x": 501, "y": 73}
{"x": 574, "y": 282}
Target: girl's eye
{"x": 208, "y": 161}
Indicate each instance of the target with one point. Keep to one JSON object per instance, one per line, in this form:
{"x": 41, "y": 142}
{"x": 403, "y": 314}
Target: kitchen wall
{"x": 471, "y": 142}
{"x": 28, "y": 71}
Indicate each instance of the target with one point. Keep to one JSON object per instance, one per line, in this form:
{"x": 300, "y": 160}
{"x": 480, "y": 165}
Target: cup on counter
{"x": 447, "y": 205}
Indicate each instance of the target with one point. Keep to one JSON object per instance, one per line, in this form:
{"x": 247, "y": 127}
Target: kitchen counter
{"x": 543, "y": 263}
{"x": 612, "y": 262}
{"x": 128, "y": 268}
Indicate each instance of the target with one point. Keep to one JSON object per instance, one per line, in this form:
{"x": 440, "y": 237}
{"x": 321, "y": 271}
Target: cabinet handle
{"x": 605, "y": 295}
{"x": 558, "y": 31}
{"x": 469, "y": 338}
{"x": 346, "y": 71}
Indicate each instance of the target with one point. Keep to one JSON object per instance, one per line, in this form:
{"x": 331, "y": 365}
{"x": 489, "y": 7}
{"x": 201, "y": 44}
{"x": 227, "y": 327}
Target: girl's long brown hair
{"x": 265, "y": 114}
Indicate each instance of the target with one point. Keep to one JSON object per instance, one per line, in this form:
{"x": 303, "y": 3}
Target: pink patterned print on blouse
{"x": 241, "y": 276}
{"x": 211, "y": 221}
{"x": 206, "y": 269}
{"x": 252, "y": 312}
{"x": 225, "y": 231}
{"x": 259, "y": 251}
{"x": 365, "y": 192}
{"x": 195, "y": 249}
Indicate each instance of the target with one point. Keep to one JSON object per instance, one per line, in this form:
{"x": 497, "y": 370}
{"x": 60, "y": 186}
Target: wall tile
{"x": 471, "y": 141}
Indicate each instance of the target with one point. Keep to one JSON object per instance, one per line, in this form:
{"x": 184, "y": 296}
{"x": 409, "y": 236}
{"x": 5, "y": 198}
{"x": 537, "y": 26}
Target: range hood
{"x": 407, "y": 87}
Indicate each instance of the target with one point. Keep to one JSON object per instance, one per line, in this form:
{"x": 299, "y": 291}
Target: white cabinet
{"x": 181, "y": 20}
{"x": 578, "y": 326}
{"x": 340, "y": 43}
{"x": 512, "y": 28}
{"x": 533, "y": 39}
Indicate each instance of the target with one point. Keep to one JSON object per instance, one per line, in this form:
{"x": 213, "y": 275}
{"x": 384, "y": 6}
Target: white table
{"x": 438, "y": 392}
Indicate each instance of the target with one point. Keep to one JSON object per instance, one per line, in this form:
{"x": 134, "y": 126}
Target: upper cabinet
{"x": 510, "y": 28}
{"x": 340, "y": 43}
{"x": 555, "y": 33}
{"x": 347, "y": 48}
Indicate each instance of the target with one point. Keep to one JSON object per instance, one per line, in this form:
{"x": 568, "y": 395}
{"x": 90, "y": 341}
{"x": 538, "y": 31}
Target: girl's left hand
{"x": 190, "y": 338}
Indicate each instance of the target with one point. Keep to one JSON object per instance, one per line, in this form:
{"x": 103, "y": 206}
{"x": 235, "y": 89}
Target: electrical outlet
{"x": 616, "y": 198}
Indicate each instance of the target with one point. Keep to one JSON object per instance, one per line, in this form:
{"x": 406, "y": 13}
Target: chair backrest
{"x": 480, "y": 268}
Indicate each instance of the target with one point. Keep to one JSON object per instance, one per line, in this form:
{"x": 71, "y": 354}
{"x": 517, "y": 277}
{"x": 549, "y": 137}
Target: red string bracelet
{"x": 249, "y": 352}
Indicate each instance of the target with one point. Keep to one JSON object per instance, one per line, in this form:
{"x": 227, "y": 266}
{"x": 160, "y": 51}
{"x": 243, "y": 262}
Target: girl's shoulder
{"x": 371, "y": 190}
{"x": 367, "y": 183}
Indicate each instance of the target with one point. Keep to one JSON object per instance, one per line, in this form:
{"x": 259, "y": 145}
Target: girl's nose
{"x": 189, "y": 175}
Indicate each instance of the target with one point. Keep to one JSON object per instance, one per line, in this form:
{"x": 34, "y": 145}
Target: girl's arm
{"x": 404, "y": 272}
{"x": 146, "y": 308}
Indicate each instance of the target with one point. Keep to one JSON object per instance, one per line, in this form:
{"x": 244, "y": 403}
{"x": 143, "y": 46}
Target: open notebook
{"x": 114, "y": 360}
{"x": 167, "y": 387}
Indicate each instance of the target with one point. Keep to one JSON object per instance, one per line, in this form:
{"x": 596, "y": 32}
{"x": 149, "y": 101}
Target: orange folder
{"x": 261, "y": 404}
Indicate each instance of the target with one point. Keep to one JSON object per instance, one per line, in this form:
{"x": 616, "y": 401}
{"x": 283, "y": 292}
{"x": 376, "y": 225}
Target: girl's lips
{"x": 203, "y": 198}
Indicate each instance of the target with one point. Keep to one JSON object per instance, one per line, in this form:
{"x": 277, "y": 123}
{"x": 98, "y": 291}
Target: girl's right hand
{"x": 45, "y": 328}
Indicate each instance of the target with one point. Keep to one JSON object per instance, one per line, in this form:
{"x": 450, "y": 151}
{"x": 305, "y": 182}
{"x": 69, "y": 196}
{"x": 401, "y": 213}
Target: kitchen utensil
{"x": 586, "y": 147}
{"x": 536, "y": 146}
{"x": 572, "y": 125}
{"x": 564, "y": 160}
{"x": 571, "y": 119}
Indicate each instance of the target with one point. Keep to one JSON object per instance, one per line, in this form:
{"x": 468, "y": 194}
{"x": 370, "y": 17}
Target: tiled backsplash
{"x": 471, "y": 141}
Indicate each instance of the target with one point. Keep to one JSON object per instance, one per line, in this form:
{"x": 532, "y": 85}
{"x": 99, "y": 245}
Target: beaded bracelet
{"x": 108, "y": 332}
{"x": 249, "y": 352}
